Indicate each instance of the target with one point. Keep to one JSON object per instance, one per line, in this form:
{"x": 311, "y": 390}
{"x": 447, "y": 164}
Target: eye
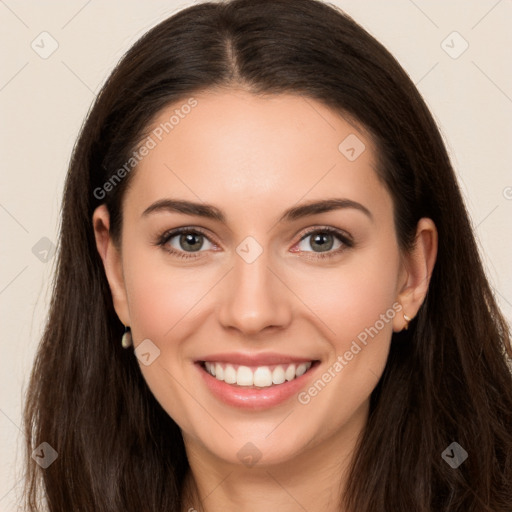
{"x": 183, "y": 242}
{"x": 322, "y": 240}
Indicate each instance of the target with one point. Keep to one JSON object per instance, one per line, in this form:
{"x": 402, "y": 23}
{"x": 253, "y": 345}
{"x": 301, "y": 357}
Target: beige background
{"x": 43, "y": 102}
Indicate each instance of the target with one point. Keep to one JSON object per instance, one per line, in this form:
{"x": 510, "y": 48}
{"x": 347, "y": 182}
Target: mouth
{"x": 256, "y": 377}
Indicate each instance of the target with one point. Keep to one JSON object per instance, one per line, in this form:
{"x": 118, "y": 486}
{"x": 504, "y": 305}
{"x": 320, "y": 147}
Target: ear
{"x": 417, "y": 267}
{"x": 112, "y": 262}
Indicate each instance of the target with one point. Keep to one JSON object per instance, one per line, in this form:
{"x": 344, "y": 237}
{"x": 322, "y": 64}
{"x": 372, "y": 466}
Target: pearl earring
{"x": 126, "y": 340}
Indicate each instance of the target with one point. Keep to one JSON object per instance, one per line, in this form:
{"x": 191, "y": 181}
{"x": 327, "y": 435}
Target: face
{"x": 254, "y": 280}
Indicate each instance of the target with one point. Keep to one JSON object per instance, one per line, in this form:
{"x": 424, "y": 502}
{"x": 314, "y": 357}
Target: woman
{"x": 268, "y": 292}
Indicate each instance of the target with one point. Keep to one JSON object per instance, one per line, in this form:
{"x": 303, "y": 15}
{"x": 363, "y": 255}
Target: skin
{"x": 253, "y": 157}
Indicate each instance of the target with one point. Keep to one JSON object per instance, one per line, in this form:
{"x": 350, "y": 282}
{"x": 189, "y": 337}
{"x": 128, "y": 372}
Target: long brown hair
{"x": 446, "y": 378}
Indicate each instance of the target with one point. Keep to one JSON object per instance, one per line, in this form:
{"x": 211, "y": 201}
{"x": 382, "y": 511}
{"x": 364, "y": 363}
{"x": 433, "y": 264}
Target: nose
{"x": 254, "y": 298}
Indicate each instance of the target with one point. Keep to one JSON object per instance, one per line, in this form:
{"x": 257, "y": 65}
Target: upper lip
{"x": 261, "y": 359}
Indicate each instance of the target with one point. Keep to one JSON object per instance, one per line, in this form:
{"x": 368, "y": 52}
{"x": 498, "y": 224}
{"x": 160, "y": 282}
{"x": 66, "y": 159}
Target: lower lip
{"x": 255, "y": 398}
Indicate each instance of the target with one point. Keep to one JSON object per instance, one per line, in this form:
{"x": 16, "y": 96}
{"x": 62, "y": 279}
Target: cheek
{"x": 162, "y": 298}
{"x": 352, "y": 296}
{"x": 164, "y": 302}
{"x": 163, "y": 295}
{"x": 357, "y": 303}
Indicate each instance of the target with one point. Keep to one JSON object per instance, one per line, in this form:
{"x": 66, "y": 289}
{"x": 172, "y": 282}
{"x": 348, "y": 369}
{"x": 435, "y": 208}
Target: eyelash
{"x": 343, "y": 238}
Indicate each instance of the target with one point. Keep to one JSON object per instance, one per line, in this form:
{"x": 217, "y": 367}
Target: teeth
{"x": 278, "y": 375}
{"x": 230, "y": 375}
{"x": 244, "y": 376}
{"x": 289, "y": 374}
{"x": 261, "y": 376}
{"x": 210, "y": 368}
{"x": 219, "y": 371}
{"x": 301, "y": 369}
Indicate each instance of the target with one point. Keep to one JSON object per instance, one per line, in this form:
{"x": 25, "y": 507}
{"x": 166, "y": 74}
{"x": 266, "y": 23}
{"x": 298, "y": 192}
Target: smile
{"x": 253, "y": 387}
{"x": 256, "y": 376}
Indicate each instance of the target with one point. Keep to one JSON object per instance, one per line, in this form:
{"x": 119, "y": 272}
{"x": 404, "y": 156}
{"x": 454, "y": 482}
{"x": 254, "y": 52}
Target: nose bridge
{"x": 253, "y": 297}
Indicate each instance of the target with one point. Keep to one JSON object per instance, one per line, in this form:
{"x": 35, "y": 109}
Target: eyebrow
{"x": 296, "y": 212}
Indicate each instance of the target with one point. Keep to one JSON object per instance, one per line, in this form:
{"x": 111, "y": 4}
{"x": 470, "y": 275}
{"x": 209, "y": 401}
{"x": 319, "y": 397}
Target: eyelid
{"x": 171, "y": 233}
{"x": 325, "y": 229}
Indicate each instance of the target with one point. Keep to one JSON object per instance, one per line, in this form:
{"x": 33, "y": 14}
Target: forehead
{"x": 233, "y": 146}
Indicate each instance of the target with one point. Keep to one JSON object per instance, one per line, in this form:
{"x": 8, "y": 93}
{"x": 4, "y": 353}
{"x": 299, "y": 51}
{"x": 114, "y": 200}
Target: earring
{"x": 407, "y": 320}
{"x": 126, "y": 340}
